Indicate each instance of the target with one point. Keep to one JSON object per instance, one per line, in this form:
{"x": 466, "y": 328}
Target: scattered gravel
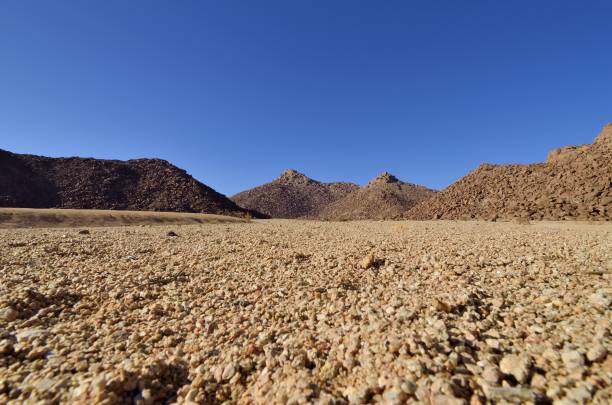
{"x": 301, "y": 311}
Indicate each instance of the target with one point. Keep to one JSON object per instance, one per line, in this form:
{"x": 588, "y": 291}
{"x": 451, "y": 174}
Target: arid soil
{"x": 300, "y": 311}
{"x": 575, "y": 183}
{"x": 30, "y": 181}
{"x": 293, "y": 195}
{"x": 384, "y": 197}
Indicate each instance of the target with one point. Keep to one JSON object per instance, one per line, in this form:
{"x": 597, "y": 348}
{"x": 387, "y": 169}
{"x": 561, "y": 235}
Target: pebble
{"x": 491, "y": 374}
{"x": 597, "y": 353}
{"x": 447, "y": 400}
{"x": 355, "y": 396}
{"x": 228, "y": 372}
{"x": 394, "y": 396}
{"x": 511, "y": 394}
{"x": 8, "y": 314}
{"x": 572, "y": 359}
{"x": 367, "y": 262}
{"x": 29, "y": 334}
{"x": 517, "y": 366}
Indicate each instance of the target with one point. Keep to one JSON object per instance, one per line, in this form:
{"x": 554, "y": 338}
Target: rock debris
{"x": 281, "y": 312}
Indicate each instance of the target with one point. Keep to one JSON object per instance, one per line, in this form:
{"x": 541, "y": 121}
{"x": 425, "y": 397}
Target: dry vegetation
{"x": 292, "y": 312}
{"x": 46, "y": 218}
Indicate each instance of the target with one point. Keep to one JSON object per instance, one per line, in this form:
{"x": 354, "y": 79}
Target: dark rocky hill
{"x": 141, "y": 184}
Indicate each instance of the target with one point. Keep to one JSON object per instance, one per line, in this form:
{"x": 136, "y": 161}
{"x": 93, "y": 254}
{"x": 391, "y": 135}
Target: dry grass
{"x": 58, "y": 218}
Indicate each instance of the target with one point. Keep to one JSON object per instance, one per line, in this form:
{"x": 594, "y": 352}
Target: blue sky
{"x": 237, "y": 91}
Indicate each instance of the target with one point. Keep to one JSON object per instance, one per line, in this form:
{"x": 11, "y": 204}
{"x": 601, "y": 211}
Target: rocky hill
{"x": 292, "y": 195}
{"x": 574, "y": 183}
{"x": 142, "y": 184}
{"x": 385, "y": 197}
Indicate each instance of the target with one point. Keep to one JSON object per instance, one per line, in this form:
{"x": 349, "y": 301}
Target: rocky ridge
{"x": 384, "y": 197}
{"x": 292, "y": 195}
{"x": 574, "y": 183}
{"x": 141, "y": 184}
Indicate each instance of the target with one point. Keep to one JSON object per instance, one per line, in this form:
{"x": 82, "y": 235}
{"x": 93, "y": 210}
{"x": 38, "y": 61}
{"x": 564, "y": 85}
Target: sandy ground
{"x": 297, "y": 312}
{"x": 47, "y": 218}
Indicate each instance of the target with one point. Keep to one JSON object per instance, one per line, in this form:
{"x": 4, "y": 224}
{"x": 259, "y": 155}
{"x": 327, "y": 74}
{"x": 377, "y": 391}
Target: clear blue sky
{"x": 237, "y": 91}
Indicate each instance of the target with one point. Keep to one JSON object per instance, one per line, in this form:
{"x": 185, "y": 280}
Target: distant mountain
{"x": 141, "y": 184}
{"x": 292, "y": 195}
{"x": 574, "y": 183}
{"x": 385, "y": 197}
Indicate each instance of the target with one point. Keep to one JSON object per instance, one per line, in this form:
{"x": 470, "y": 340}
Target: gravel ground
{"x": 294, "y": 311}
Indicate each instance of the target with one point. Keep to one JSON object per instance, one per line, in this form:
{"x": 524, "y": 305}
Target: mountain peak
{"x": 384, "y": 177}
{"x": 293, "y": 175}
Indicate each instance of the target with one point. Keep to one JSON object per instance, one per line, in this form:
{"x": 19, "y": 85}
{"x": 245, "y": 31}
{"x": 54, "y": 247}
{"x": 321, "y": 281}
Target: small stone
{"x": 28, "y": 334}
{"x": 579, "y": 394}
{"x": 475, "y": 400}
{"x": 217, "y": 373}
{"x": 84, "y": 232}
{"x": 517, "y": 366}
{"x": 551, "y": 355}
{"x": 172, "y": 234}
{"x": 36, "y": 353}
{"x": 8, "y": 314}
{"x": 5, "y": 346}
{"x": 510, "y": 394}
{"x": 199, "y": 381}
{"x": 192, "y": 394}
{"x": 394, "y": 396}
{"x": 447, "y": 400}
{"x": 597, "y": 353}
{"x": 538, "y": 381}
{"x": 572, "y": 359}
{"x": 367, "y": 261}
{"x": 355, "y": 396}
{"x": 409, "y": 387}
{"x": 228, "y": 372}
{"x": 491, "y": 374}
{"x": 441, "y": 306}
{"x": 44, "y": 384}
{"x": 553, "y": 390}
{"x": 492, "y": 343}
{"x": 251, "y": 349}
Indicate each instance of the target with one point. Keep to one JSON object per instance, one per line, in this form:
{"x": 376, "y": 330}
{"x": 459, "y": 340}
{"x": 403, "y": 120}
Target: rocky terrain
{"x": 574, "y": 183}
{"x": 141, "y": 184}
{"x": 385, "y": 197}
{"x": 292, "y": 195}
{"x": 273, "y": 312}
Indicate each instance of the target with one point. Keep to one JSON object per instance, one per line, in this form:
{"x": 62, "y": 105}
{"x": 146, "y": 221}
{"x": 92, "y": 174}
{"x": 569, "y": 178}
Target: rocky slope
{"x": 142, "y": 184}
{"x": 574, "y": 183}
{"x": 292, "y": 195}
{"x": 385, "y": 197}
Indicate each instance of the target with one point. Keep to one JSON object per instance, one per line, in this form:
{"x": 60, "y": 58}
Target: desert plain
{"x": 289, "y": 311}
